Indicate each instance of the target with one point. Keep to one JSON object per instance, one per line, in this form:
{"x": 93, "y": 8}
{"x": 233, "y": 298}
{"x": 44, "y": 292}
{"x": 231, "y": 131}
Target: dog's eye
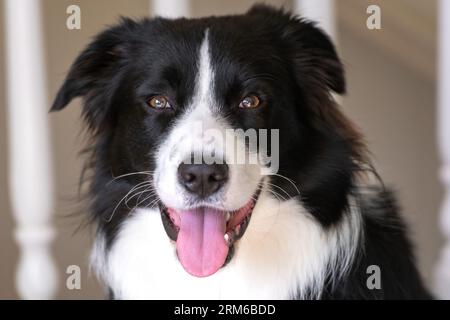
{"x": 159, "y": 102}
{"x": 249, "y": 102}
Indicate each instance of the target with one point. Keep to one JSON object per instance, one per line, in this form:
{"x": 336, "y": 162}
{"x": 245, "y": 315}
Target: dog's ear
{"x": 94, "y": 68}
{"x": 314, "y": 55}
{"x": 310, "y": 49}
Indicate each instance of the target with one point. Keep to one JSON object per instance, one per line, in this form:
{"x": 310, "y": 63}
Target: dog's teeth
{"x": 227, "y": 216}
{"x": 228, "y": 238}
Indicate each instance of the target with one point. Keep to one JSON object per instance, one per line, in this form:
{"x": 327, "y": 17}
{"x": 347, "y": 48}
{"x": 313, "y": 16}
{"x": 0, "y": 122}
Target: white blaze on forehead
{"x": 202, "y": 131}
{"x": 205, "y": 78}
{"x": 203, "y": 106}
{"x": 202, "y": 111}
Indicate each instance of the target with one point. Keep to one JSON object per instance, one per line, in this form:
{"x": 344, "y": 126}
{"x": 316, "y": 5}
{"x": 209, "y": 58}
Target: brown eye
{"x": 249, "y": 102}
{"x": 159, "y": 102}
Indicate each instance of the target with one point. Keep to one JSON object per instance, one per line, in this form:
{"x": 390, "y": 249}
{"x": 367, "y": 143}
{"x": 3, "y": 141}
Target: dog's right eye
{"x": 249, "y": 102}
{"x": 159, "y": 102}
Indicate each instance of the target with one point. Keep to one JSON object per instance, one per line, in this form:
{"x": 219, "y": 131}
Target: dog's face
{"x": 161, "y": 94}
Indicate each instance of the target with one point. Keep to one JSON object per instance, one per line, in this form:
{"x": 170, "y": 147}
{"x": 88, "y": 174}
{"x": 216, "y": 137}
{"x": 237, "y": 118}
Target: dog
{"x": 317, "y": 225}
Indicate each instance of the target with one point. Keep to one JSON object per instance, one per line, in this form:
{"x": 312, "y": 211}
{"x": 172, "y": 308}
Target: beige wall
{"x": 392, "y": 103}
{"x": 8, "y": 252}
{"x": 395, "y": 107}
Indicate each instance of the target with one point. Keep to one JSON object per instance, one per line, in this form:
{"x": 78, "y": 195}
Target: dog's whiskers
{"x": 149, "y": 173}
{"x": 147, "y": 185}
{"x": 137, "y": 194}
{"x": 289, "y": 180}
{"x": 280, "y": 188}
{"x": 144, "y": 184}
{"x": 278, "y": 196}
{"x": 150, "y": 190}
{"x": 149, "y": 194}
{"x": 145, "y": 199}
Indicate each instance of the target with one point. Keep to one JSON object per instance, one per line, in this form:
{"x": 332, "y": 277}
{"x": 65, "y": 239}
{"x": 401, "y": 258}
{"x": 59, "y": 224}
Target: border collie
{"x": 168, "y": 227}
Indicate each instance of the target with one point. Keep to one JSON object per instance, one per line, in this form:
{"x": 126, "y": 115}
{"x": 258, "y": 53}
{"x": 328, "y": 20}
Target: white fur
{"x": 284, "y": 253}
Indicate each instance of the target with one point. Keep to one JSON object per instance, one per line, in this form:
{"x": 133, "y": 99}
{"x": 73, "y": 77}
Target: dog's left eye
{"x": 249, "y": 102}
{"x": 159, "y": 102}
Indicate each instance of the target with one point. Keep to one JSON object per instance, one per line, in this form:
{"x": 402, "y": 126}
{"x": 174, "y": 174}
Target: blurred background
{"x": 392, "y": 86}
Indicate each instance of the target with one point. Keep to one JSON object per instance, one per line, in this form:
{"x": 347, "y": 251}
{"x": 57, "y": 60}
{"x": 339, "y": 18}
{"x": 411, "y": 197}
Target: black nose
{"x": 202, "y": 179}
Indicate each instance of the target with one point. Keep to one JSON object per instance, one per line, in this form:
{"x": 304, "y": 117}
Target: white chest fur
{"x": 284, "y": 253}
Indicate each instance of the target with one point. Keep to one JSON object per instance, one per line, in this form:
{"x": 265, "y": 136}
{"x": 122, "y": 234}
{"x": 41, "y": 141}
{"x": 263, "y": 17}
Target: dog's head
{"x": 179, "y": 108}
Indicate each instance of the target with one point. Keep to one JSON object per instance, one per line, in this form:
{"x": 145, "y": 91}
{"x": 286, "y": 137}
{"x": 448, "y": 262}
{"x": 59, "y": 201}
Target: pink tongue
{"x": 201, "y": 246}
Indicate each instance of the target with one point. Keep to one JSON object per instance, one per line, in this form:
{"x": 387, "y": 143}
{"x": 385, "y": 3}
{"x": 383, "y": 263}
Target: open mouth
{"x": 205, "y": 236}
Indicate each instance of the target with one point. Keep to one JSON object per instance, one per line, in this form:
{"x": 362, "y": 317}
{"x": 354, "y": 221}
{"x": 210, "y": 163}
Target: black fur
{"x": 293, "y": 66}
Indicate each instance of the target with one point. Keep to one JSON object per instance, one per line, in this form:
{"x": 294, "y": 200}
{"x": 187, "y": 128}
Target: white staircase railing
{"x": 442, "y": 286}
{"x": 322, "y": 11}
{"x": 170, "y": 8}
{"x": 30, "y": 176}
